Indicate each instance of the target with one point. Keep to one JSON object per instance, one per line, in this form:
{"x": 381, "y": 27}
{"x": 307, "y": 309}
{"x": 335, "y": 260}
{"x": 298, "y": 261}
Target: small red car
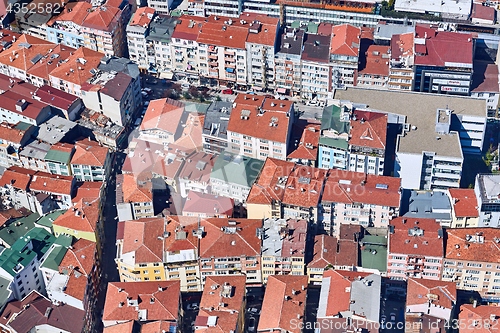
{"x": 227, "y": 91}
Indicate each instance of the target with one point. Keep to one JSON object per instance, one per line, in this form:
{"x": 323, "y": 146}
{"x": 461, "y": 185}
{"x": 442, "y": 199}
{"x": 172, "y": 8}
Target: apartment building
{"x": 344, "y": 55}
{"x": 401, "y": 61}
{"x": 464, "y": 207}
{"x": 261, "y": 44}
{"x": 231, "y": 246}
{"x": 104, "y": 29}
{"x": 430, "y": 302}
{"x": 90, "y": 162}
{"x": 283, "y": 307}
{"x": 374, "y": 71}
{"x": 83, "y": 220}
{"x": 331, "y": 253}
{"x": 333, "y": 141}
{"x": 486, "y": 189}
{"x": 287, "y": 62}
{"x": 485, "y": 316}
{"x": 469, "y": 260}
{"x": 161, "y": 121}
{"x": 222, "y": 306}
{"x": 485, "y": 85}
{"x": 207, "y": 205}
{"x": 58, "y": 159}
{"x": 233, "y": 175}
{"x": 260, "y": 127}
{"x": 429, "y": 204}
{"x": 351, "y": 300}
{"x": 316, "y": 74}
{"x": 428, "y": 143}
{"x": 358, "y": 198}
{"x": 438, "y": 71}
{"x": 185, "y": 49}
{"x": 137, "y": 32}
{"x": 415, "y": 249}
{"x": 283, "y": 247}
{"x": 195, "y": 173}
{"x": 66, "y": 27}
{"x": 134, "y": 198}
{"x": 15, "y": 108}
{"x": 33, "y": 156}
{"x": 143, "y": 302}
{"x": 214, "y": 134}
{"x": 158, "y": 46}
{"x": 12, "y": 138}
{"x": 306, "y": 151}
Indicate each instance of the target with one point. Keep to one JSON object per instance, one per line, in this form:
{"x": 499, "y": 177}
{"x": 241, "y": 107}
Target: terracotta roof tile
{"x": 87, "y": 190}
{"x": 72, "y": 12}
{"x": 82, "y": 217}
{"x": 278, "y": 312}
{"x": 191, "y": 137}
{"x": 188, "y": 225}
{"x": 226, "y": 322}
{"x": 9, "y": 99}
{"x": 75, "y": 71}
{"x": 188, "y": 27}
{"x": 133, "y": 191}
{"x": 103, "y": 18}
{"x": 303, "y": 186}
{"x": 229, "y": 290}
{"x": 22, "y": 55}
{"x": 197, "y": 167}
{"x": 89, "y": 152}
{"x": 329, "y": 250}
{"x": 158, "y": 326}
{"x": 430, "y": 243}
{"x": 369, "y": 129}
{"x": 142, "y": 16}
{"x": 402, "y": 46}
{"x": 17, "y": 177}
{"x": 308, "y": 144}
{"x": 483, "y": 314}
{"x": 48, "y": 63}
{"x": 126, "y": 327}
{"x": 56, "y": 97}
{"x": 346, "y": 187}
{"x": 11, "y": 133}
{"x": 345, "y": 40}
{"x": 46, "y": 182}
{"x": 208, "y": 205}
{"x": 164, "y": 114}
{"x": 140, "y": 239}
{"x": 160, "y": 299}
{"x": 224, "y": 243}
{"x": 473, "y": 244}
{"x": 418, "y": 290}
{"x": 377, "y": 60}
{"x": 464, "y": 202}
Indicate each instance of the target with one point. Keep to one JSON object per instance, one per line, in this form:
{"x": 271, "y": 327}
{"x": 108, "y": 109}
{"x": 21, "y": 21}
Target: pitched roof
{"x": 82, "y": 217}
{"x": 188, "y": 27}
{"x": 308, "y": 144}
{"x": 126, "y": 327}
{"x": 11, "y": 101}
{"x": 303, "y": 186}
{"x": 90, "y": 190}
{"x": 191, "y": 137}
{"x": 376, "y": 60}
{"x": 402, "y": 45}
{"x": 102, "y": 18}
{"x": 23, "y": 53}
{"x": 223, "y": 239}
{"x": 483, "y": 314}
{"x": 142, "y": 16}
{"x": 17, "y": 177}
{"x": 140, "y": 240}
{"x": 357, "y": 187}
{"x": 419, "y": 291}
{"x": 284, "y": 300}
{"x": 416, "y": 236}
{"x": 49, "y": 62}
{"x": 157, "y": 326}
{"x": 89, "y": 152}
{"x": 46, "y": 182}
{"x": 187, "y": 225}
{"x": 13, "y": 132}
{"x": 208, "y": 204}
{"x": 369, "y": 129}
{"x": 345, "y": 40}
{"x": 229, "y": 290}
{"x": 197, "y": 167}
{"x": 74, "y": 12}
{"x": 75, "y": 70}
{"x": 271, "y": 182}
{"x": 473, "y": 244}
{"x": 56, "y": 97}
{"x": 125, "y": 300}
{"x": 328, "y": 250}
{"x": 164, "y": 114}
{"x": 464, "y": 202}
{"x": 131, "y": 191}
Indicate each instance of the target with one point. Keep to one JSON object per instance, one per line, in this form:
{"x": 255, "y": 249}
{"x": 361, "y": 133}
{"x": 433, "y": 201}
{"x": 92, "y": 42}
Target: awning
{"x": 257, "y": 88}
{"x": 166, "y": 75}
{"x": 230, "y": 70}
{"x": 281, "y": 91}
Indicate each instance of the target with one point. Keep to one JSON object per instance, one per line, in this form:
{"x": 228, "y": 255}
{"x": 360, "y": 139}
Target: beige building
{"x": 464, "y": 211}
{"x": 134, "y": 198}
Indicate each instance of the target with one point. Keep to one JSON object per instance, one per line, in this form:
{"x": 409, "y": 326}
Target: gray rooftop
{"x": 272, "y": 242}
{"x": 488, "y": 186}
{"x": 365, "y": 293}
{"x": 291, "y": 41}
{"x": 119, "y": 65}
{"x": 216, "y": 119}
{"x": 36, "y": 149}
{"x": 419, "y": 110}
{"x": 236, "y": 169}
{"x": 428, "y": 204}
{"x": 385, "y": 31}
{"x": 54, "y": 129}
{"x": 161, "y": 28}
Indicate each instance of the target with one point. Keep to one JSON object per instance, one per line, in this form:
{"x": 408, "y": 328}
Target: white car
{"x": 192, "y": 306}
{"x": 254, "y": 311}
{"x": 185, "y": 86}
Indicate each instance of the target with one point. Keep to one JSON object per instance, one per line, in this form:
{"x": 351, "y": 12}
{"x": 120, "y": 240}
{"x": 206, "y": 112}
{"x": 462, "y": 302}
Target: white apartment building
{"x": 401, "y": 62}
{"x": 344, "y": 54}
{"x": 287, "y": 64}
{"x": 487, "y": 189}
{"x": 137, "y": 31}
{"x": 316, "y": 68}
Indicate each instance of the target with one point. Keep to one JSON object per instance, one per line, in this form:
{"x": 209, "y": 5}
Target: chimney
{"x": 474, "y": 305}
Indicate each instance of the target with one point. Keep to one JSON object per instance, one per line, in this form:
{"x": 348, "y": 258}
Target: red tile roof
{"x": 369, "y": 129}
{"x": 9, "y": 133}
{"x": 229, "y": 290}
{"x": 191, "y": 137}
{"x": 126, "y": 327}
{"x": 132, "y": 191}
{"x": 19, "y": 55}
{"x": 76, "y": 71}
{"x": 82, "y": 217}
{"x": 489, "y": 314}
{"x": 485, "y": 77}
{"x": 56, "y": 97}
{"x": 9, "y": 99}
{"x": 402, "y": 46}
{"x": 473, "y": 244}
{"x": 160, "y": 299}
{"x": 440, "y": 47}
{"x": 208, "y": 205}
{"x": 188, "y": 27}
{"x": 464, "y": 202}
{"x": 303, "y": 186}
{"x": 183, "y": 223}
{"x": 271, "y": 182}
{"x": 89, "y": 152}
{"x": 308, "y": 145}
{"x": 17, "y": 177}
{"x": 225, "y": 322}
{"x": 87, "y": 190}
{"x": 345, "y": 40}
{"x": 158, "y": 326}
{"x": 140, "y": 239}
{"x": 377, "y": 60}
{"x": 418, "y": 291}
{"x": 142, "y": 16}
{"x": 143, "y": 158}
{"x": 339, "y": 295}
{"x": 46, "y": 182}
{"x": 357, "y": 187}
{"x": 480, "y": 11}
{"x": 259, "y": 124}
{"x": 103, "y": 18}
{"x": 164, "y": 114}
{"x": 225, "y": 240}
{"x": 284, "y": 300}
{"x": 72, "y": 12}
{"x": 197, "y": 167}
{"x": 49, "y": 62}
{"x": 329, "y": 250}
{"x": 430, "y": 243}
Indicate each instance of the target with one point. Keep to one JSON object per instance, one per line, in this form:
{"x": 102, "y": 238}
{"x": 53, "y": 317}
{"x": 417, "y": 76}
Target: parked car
{"x": 251, "y": 324}
{"x": 254, "y": 311}
{"x": 393, "y": 317}
{"x": 144, "y": 94}
{"x": 192, "y": 306}
{"x": 227, "y": 91}
{"x": 148, "y": 90}
{"x": 313, "y": 102}
{"x": 203, "y": 89}
{"x": 185, "y": 86}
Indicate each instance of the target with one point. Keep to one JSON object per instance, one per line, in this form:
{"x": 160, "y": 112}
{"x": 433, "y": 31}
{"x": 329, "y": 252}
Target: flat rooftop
{"x": 419, "y": 109}
{"x": 449, "y": 8}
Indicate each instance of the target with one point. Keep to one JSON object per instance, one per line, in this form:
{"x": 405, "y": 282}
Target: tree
{"x": 194, "y": 91}
{"x": 186, "y": 95}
